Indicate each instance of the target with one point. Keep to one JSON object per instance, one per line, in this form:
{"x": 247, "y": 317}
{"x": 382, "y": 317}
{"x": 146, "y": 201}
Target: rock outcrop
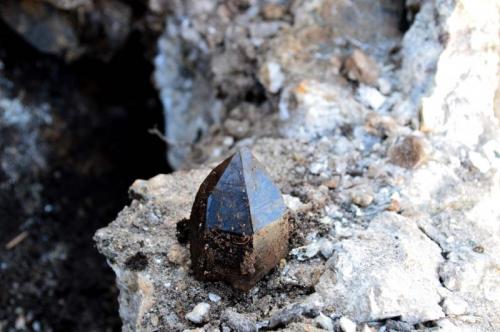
{"x": 391, "y": 174}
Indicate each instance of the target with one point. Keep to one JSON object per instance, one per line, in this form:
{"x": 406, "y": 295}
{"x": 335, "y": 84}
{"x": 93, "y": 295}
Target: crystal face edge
{"x": 265, "y": 200}
{"x": 228, "y": 206}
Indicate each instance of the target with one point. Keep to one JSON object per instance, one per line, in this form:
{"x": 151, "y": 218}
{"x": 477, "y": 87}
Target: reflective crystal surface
{"x": 238, "y": 226}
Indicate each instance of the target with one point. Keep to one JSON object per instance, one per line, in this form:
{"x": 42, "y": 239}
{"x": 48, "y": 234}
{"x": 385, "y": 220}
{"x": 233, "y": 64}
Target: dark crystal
{"x": 238, "y": 229}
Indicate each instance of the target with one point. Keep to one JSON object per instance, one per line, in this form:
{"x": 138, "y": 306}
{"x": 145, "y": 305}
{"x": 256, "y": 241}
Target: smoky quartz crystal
{"x": 238, "y": 229}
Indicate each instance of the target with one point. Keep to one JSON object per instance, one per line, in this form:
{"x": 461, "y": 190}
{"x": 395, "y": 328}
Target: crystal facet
{"x": 238, "y": 229}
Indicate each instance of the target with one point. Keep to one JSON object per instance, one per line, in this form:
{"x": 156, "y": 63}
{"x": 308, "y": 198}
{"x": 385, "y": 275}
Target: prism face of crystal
{"x": 238, "y": 229}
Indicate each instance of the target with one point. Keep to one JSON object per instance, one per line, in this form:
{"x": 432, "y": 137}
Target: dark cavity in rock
{"x": 138, "y": 262}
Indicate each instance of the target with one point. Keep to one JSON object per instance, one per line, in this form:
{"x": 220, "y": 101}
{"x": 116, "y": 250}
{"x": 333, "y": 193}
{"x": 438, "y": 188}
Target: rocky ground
{"x": 377, "y": 119}
{"x": 382, "y": 134}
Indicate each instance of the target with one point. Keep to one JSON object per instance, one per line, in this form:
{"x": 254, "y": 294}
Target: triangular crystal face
{"x": 227, "y": 203}
{"x": 264, "y": 197}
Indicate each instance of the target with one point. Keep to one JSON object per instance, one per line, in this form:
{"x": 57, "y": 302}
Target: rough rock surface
{"x": 69, "y": 29}
{"x": 377, "y": 288}
{"x": 395, "y": 214}
{"x": 210, "y": 52}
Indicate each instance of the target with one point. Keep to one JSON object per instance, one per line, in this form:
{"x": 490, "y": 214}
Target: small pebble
{"x": 238, "y": 322}
{"x": 335, "y": 64}
{"x": 367, "y": 328}
{"x": 333, "y": 211}
{"x": 273, "y": 11}
{"x": 341, "y": 231}
{"x": 397, "y": 325}
{"x": 20, "y": 323}
{"x": 479, "y": 162}
{"x": 317, "y": 167}
{"x": 332, "y": 183}
{"x": 272, "y": 76}
{"x": 394, "y": 203}
{"x": 384, "y": 85}
{"x": 408, "y": 153}
{"x": 326, "y": 248}
{"x": 454, "y": 305}
{"x": 311, "y": 237}
{"x": 326, "y": 220}
{"x": 300, "y": 169}
{"x": 361, "y": 67}
{"x": 154, "y": 319}
{"x": 286, "y": 315}
{"x": 237, "y": 128}
{"x": 293, "y": 203}
{"x": 479, "y": 249}
{"x": 380, "y": 125}
{"x": 199, "y": 314}
{"x": 347, "y": 325}
{"x": 177, "y": 254}
{"x": 214, "y": 297}
{"x": 306, "y": 252}
{"x": 37, "y": 327}
{"x": 228, "y": 141}
{"x": 324, "y": 322}
{"x": 361, "y": 198}
{"x": 371, "y": 97}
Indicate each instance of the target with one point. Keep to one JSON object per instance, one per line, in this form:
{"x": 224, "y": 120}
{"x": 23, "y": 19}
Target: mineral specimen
{"x": 238, "y": 229}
